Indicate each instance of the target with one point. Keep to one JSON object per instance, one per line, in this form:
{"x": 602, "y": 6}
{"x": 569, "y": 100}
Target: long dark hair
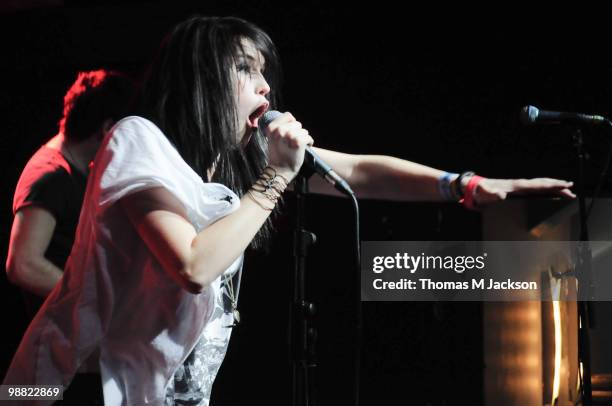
{"x": 189, "y": 94}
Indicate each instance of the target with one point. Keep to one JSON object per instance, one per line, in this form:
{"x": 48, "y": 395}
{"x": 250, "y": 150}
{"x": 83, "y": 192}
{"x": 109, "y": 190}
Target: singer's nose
{"x": 263, "y": 88}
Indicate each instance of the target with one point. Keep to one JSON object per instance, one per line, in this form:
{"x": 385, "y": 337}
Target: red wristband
{"x": 468, "y": 199}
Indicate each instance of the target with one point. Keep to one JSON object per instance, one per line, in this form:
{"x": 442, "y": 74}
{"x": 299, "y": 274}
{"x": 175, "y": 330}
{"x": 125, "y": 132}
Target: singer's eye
{"x": 243, "y": 67}
{"x": 250, "y": 69}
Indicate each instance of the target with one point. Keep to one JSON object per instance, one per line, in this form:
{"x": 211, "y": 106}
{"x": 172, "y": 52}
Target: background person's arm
{"x": 26, "y": 265}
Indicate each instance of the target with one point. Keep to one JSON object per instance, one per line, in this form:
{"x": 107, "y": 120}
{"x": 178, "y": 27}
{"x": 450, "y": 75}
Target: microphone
{"x": 533, "y": 115}
{"x": 311, "y": 159}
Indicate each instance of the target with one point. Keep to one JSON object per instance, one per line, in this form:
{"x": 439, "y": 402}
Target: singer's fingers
{"x": 284, "y": 129}
{"x": 281, "y": 120}
{"x": 287, "y": 117}
{"x": 287, "y": 129}
{"x": 542, "y": 185}
{"x": 306, "y": 140}
{"x": 299, "y": 138}
{"x": 541, "y": 182}
{"x": 292, "y": 136}
{"x": 567, "y": 193}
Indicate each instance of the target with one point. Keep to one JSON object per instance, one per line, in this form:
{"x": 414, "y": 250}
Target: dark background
{"x": 442, "y": 89}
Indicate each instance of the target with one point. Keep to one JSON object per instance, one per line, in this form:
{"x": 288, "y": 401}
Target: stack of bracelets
{"x": 449, "y": 186}
{"x": 270, "y": 187}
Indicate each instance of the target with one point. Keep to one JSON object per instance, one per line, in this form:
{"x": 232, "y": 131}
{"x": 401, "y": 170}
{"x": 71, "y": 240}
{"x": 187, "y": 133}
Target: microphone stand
{"x": 583, "y": 272}
{"x": 302, "y": 333}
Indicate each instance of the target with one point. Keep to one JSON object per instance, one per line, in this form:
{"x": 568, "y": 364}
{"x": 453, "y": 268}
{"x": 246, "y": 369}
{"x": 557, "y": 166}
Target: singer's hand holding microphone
{"x": 285, "y": 128}
{"x": 287, "y": 142}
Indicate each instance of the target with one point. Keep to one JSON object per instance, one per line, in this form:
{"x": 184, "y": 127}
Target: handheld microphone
{"x": 312, "y": 159}
{"x": 533, "y": 115}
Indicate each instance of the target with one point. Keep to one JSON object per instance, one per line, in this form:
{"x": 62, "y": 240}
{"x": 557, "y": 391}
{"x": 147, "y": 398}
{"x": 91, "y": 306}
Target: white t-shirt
{"x": 115, "y": 295}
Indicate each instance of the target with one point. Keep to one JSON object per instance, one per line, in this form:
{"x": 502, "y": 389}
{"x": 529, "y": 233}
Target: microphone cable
{"x": 359, "y": 315}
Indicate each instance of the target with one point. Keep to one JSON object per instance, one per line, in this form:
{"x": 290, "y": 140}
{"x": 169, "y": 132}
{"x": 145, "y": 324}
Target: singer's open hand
{"x": 495, "y": 190}
{"x": 287, "y": 141}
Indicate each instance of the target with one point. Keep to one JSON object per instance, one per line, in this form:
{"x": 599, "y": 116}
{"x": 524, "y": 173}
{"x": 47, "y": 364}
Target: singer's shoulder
{"x": 136, "y": 125}
{"x": 135, "y": 134}
{"x": 136, "y": 129}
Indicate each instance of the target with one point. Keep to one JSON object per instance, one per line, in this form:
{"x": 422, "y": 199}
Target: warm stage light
{"x": 558, "y": 347}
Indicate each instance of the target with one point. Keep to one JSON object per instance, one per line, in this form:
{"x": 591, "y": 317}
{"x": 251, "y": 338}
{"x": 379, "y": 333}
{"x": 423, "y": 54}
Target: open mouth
{"x": 256, "y": 115}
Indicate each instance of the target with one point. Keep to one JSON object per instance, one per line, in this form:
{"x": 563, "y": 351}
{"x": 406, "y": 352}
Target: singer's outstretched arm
{"x": 389, "y": 178}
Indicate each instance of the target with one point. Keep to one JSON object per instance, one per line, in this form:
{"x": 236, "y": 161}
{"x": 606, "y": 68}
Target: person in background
{"x": 50, "y": 190}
